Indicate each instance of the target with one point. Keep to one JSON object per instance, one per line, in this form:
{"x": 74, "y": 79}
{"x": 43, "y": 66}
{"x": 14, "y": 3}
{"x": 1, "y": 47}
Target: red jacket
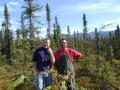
{"x": 73, "y": 53}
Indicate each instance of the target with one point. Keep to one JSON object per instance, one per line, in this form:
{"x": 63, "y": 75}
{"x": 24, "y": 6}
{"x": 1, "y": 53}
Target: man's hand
{"x": 49, "y": 50}
{"x": 35, "y": 71}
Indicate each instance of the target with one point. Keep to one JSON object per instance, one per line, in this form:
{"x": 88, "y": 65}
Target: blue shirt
{"x": 42, "y": 59}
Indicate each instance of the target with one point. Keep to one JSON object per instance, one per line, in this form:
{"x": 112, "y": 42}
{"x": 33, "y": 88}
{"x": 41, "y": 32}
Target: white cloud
{"x": 14, "y": 6}
{"x": 14, "y": 3}
{"x": 92, "y": 7}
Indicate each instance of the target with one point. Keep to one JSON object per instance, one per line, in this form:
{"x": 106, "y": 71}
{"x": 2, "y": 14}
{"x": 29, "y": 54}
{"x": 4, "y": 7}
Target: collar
{"x": 64, "y": 49}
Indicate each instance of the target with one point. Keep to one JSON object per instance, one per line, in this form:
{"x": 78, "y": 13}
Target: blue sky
{"x": 70, "y": 13}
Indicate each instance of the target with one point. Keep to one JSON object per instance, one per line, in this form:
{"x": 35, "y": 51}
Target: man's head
{"x": 63, "y": 43}
{"x": 46, "y": 43}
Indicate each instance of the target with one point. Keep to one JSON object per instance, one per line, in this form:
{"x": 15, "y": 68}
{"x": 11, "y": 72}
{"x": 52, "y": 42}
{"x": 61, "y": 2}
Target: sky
{"x": 69, "y": 13}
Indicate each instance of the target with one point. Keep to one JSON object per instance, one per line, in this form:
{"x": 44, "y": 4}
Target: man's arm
{"x": 52, "y": 58}
{"x": 34, "y": 63}
{"x": 35, "y": 67}
{"x": 77, "y": 54}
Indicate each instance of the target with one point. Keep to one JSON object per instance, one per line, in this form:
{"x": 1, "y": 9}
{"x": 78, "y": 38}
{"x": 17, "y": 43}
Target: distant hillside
{"x": 103, "y": 34}
{"x": 91, "y": 34}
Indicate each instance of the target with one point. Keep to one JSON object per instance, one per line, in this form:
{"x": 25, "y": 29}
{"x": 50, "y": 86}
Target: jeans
{"x": 43, "y": 80}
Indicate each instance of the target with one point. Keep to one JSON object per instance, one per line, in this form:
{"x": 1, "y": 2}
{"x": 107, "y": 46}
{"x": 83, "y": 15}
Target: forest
{"x": 99, "y": 69}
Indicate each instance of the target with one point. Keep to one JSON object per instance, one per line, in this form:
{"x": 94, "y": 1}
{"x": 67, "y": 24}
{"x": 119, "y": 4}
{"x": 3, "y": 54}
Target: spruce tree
{"x": 69, "y": 37}
{"x": 23, "y": 30}
{"x": 7, "y": 35}
{"x": 48, "y": 20}
{"x": 109, "y": 53}
{"x": 75, "y": 40}
{"x": 85, "y": 41}
{"x": 85, "y": 35}
{"x": 57, "y": 32}
{"x": 18, "y": 32}
{"x": 1, "y": 39}
{"x": 117, "y": 42}
{"x": 30, "y": 9}
{"x": 97, "y": 48}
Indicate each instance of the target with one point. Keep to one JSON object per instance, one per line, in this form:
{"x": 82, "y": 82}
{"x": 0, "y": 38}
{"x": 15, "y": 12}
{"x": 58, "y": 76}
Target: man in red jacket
{"x": 63, "y": 62}
{"x": 62, "y": 51}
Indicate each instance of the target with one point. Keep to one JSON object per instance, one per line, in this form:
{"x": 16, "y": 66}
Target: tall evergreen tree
{"x": 96, "y": 44}
{"x": 7, "y": 35}
{"x": 75, "y": 40}
{"x": 48, "y": 20}
{"x": 109, "y": 53}
{"x": 85, "y": 34}
{"x": 68, "y": 32}
{"x": 57, "y": 32}
{"x": 54, "y": 32}
{"x": 78, "y": 41}
{"x": 97, "y": 48}
{"x": 23, "y": 30}
{"x": 110, "y": 38}
{"x": 69, "y": 37}
{"x": 85, "y": 42}
{"x": 1, "y": 39}
{"x": 18, "y": 32}
{"x": 30, "y": 9}
{"x": 117, "y": 43}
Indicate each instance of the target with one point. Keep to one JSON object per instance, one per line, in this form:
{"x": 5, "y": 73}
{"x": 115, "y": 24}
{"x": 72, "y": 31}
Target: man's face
{"x": 63, "y": 43}
{"x": 46, "y": 44}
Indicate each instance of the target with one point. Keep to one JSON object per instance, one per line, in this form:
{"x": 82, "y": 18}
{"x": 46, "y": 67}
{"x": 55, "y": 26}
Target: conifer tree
{"x": 69, "y": 37}
{"x": 7, "y": 35}
{"x": 1, "y": 39}
{"x": 57, "y": 32}
{"x": 75, "y": 40}
{"x": 78, "y": 41}
{"x": 97, "y": 48}
{"x": 48, "y": 20}
{"x": 54, "y": 46}
{"x": 68, "y": 32}
{"x": 85, "y": 42}
{"x": 54, "y": 32}
{"x": 18, "y": 32}
{"x": 85, "y": 35}
{"x": 23, "y": 30}
{"x": 30, "y": 9}
{"x": 117, "y": 43}
{"x": 109, "y": 53}
{"x": 110, "y": 37}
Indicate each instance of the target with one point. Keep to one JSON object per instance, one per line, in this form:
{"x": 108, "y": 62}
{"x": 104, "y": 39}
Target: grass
{"x": 83, "y": 82}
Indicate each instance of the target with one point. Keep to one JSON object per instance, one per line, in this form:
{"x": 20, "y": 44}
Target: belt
{"x": 46, "y": 72}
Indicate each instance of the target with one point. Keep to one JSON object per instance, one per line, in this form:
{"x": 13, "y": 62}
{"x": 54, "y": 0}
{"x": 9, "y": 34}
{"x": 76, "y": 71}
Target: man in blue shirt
{"x": 43, "y": 60}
